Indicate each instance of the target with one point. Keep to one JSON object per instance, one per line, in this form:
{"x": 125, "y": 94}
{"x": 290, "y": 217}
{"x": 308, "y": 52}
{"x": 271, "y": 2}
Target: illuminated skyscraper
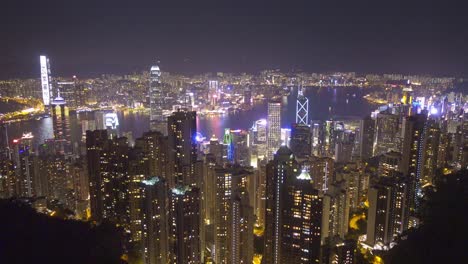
{"x": 430, "y": 153}
{"x": 241, "y": 144}
{"x": 153, "y": 146}
{"x": 96, "y": 142}
{"x": 322, "y": 169}
{"x": 389, "y": 164}
{"x": 344, "y": 146}
{"x": 7, "y": 179}
{"x": 208, "y": 205}
{"x": 386, "y": 133}
{"x": 5, "y": 152}
{"x": 228, "y": 141}
{"x": 157, "y": 120}
{"x": 218, "y": 150}
{"x": 335, "y": 211}
{"x": 293, "y": 213}
{"x": 59, "y": 123}
{"x": 182, "y": 129}
{"x": 273, "y": 128}
{"x": 23, "y": 160}
{"x": 388, "y": 212}
{"x": 231, "y": 182}
{"x": 69, "y": 91}
{"x": 414, "y": 128}
{"x": 357, "y": 183}
{"x": 154, "y": 221}
{"x": 301, "y": 140}
{"x": 407, "y": 99}
{"x": 242, "y": 221}
{"x": 317, "y": 138}
{"x": 344, "y": 252}
{"x": 222, "y": 210}
{"x": 302, "y": 108}
{"x": 285, "y": 136}
{"x": 302, "y": 221}
{"x": 184, "y": 225}
{"x": 57, "y": 172}
{"x": 281, "y": 167}
{"x": 46, "y": 80}
{"x": 258, "y": 141}
{"x": 366, "y": 138}
{"x": 328, "y": 135}
{"x": 138, "y": 172}
{"x": 213, "y": 91}
{"x": 108, "y": 175}
{"x": 79, "y": 176}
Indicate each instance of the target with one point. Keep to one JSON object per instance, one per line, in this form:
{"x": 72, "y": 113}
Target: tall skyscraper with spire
{"x": 157, "y": 119}
{"x": 302, "y": 107}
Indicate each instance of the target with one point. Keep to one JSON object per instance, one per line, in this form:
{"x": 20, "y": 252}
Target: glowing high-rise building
{"x": 302, "y": 108}
{"x": 154, "y": 221}
{"x": 184, "y": 225}
{"x": 388, "y": 212}
{"x": 387, "y": 133}
{"x": 414, "y": 128}
{"x": 389, "y": 164}
{"x": 222, "y": 209}
{"x": 46, "y": 80}
{"x": 366, "y": 138}
{"x": 301, "y": 140}
{"x": 182, "y": 147}
{"x": 157, "y": 120}
{"x": 23, "y": 160}
{"x": 323, "y": 170}
{"x": 242, "y": 222}
{"x": 430, "y": 148}
{"x": 59, "y": 124}
{"x": 336, "y": 206}
{"x": 228, "y": 141}
{"x": 273, "y": 128}
{"x": 258, "y": 141}
{"x": 293, "y": 213}
{"x": 108, "y": 170}
{"x": 213, "y": 89}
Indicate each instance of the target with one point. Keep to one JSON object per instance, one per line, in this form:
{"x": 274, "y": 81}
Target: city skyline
{"x": 234, "y": 133}
{"x": 234, "y": 168}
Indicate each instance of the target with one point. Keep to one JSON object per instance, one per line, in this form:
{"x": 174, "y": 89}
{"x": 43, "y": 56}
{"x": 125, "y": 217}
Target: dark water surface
{"x": 324, "y": 103}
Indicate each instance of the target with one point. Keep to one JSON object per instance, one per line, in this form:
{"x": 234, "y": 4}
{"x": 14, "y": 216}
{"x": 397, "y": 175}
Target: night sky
{"x": 87, "y": 38}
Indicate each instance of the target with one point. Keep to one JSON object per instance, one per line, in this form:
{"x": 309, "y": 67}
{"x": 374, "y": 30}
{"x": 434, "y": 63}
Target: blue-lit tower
{"x": 227, "y": 140}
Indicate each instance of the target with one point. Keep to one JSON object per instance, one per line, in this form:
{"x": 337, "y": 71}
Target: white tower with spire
{"x": 302, "y": 107}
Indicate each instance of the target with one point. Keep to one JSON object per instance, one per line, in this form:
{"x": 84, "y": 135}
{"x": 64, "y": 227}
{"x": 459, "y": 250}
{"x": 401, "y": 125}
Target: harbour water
{"x": 324, "y": 103}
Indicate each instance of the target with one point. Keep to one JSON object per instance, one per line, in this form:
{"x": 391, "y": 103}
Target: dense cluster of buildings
{"x": 264, "y": 194}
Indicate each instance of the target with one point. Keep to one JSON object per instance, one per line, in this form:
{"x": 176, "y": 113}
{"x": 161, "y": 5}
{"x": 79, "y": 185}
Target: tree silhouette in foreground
{"x": 29, "y": 237}
{"x": 442, "y": 237}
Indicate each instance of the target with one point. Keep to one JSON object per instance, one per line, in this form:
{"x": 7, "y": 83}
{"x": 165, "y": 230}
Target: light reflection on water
{"x": 320, "y": 99}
